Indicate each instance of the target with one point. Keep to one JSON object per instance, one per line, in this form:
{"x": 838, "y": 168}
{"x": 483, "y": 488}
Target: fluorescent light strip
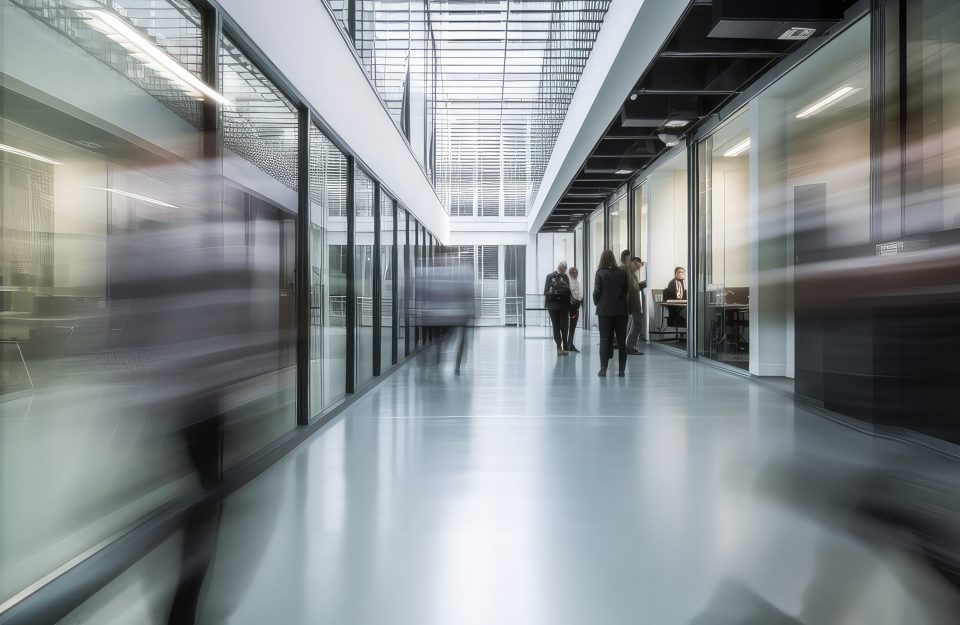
{"x": 145, "y": 50}
{"x": 25, "y": 154}
{"x": 134, "y": 196}
{"x": 823, "y": 103}
{"x": 738, "y": 149}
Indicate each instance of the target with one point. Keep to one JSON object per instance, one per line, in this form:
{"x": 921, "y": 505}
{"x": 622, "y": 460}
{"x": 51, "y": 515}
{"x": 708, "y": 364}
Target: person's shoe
{"x": 574, "y": 349}
{"x": 602, "y": 373}
{"x": 635, "y": 352}
{"x": 621, "y": 375}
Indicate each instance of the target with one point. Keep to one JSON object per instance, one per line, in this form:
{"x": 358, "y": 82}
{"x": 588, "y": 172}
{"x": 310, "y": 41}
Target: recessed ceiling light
{"x": 43, "y": 159}
{"x": 142, "y": 198}
{"x": 623, "y": 172}
{"x": 676, "y": 123}
{"x": 825, "y": 102}
{"x": 142, "y": 48}
{"x": 633, "y": 97}
{"x": 738, "y": 149}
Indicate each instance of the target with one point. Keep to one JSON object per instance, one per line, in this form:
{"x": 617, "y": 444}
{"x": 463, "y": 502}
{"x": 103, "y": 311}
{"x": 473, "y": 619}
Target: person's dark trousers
{"x": 462, "y": 347}
{"x": 204, "y": 442}
{"x": 610, "y": 327}
{"x": 635, "y": 328}
{"x": 574, "y": 321}
{"x": 560, "y": 320}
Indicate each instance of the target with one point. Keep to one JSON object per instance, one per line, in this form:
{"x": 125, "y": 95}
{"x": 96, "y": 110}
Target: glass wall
{"x": 363, "y": 274}
{"x": 619, "y": 235}
{"x": 387, "y": 278}
{"x": 595, "y": 227}
{"x": 403, "y": 282}
{"x": 148, "y": 299}
{"x": 666, "y": 202}
{"x": 723, "y": 280}
{"x": 328, "y": 199}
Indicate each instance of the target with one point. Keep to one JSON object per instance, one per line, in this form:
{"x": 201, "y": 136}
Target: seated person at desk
{"x": 676, "y": 291}
{"x": 676, "y": 288}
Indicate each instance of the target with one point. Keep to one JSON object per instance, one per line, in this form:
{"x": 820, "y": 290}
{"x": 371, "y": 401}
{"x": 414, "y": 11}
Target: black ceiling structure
{"x": 716, "y": 50}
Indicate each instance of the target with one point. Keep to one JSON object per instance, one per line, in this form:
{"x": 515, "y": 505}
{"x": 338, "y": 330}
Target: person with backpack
{"x": 556, "y": 300}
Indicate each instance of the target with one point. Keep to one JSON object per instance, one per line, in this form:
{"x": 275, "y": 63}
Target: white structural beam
{"x": 632, "y": 33}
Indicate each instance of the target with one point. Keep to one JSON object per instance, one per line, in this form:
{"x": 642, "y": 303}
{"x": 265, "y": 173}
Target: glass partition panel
{"x": 668, "y": 249}
{"x": 259, "y": 201}
{"x": 595, "y": 226}
{"x": 402, "y": 275}
{"x": 109, "y": 223}
{"x": 363, "y": 276}
{"x": 387, "y": 278}
{"x": 328, "y": 197}
{"x": 724, "y": 264}
{"x": 619, "y": 238}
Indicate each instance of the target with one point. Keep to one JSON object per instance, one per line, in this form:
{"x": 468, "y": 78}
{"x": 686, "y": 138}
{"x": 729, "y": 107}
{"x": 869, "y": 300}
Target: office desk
{"x": 678, "y": 304}
{"x": 738, "y": 315}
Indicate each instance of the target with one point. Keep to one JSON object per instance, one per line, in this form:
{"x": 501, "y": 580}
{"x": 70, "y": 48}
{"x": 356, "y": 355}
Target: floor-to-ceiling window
{"x": 666, "y": 188}
{"x": 619, "y": 236}
{"x": 723, "y": 280}
{"x": 363, "y": 274}
{"x": 387, "y": 277}
{"x": 595, "y": 225}
{"x": 403, "y": 283}
{"x": 328, "y": 198}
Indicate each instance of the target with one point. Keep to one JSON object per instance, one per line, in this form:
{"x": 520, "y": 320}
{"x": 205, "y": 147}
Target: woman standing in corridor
{"x": 610, "y": 298}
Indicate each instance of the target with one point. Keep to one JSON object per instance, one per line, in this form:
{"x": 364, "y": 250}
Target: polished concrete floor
{"x": 529, "y": 491}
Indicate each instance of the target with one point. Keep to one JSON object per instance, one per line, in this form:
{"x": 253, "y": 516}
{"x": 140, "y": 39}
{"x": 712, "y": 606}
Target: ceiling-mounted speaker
{"x": 789, "y": 20}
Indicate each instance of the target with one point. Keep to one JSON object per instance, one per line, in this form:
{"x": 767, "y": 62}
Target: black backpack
{"x": 558, "y": 289}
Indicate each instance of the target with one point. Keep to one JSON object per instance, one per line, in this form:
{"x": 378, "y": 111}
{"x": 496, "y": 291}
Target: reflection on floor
{"x": 528, "y": 491}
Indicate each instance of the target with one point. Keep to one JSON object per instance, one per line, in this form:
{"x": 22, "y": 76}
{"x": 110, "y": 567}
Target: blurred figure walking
{"x": 448, "y": 304}
{"x": 576, "y": 303}
{"x": 610, "y": 297}
{"x": 635, "y": 326}
{"x": 556, "y": 300}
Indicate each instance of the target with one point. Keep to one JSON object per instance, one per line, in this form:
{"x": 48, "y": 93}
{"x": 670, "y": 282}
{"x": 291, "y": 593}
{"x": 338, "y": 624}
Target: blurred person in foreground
{"x": 576, "y": 304}
{"x": 448, "y": 304}
{"x": 189, "y": 303}
{"x": 556, "y": 301}
{"x": 610, "y": 297}
{"x": 903, "y": 506}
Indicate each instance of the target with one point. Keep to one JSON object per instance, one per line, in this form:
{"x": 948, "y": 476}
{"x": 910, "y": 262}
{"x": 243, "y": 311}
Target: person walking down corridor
{"x": 576, "y": 303}
{"x": 635, "y": 326}
{"x": 556, "y": 300}
{"x": 610, "y": 298}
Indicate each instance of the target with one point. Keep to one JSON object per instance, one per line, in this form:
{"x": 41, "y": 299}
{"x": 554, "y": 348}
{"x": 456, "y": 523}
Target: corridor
{"x": 529, "y": 491}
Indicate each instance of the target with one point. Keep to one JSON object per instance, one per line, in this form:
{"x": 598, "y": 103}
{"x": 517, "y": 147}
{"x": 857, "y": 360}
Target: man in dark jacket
{"x": 556, "y": 300}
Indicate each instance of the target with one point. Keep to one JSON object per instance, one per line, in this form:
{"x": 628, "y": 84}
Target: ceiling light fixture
{"x": 669, "y": 139}
{"x": 25, "y": 154}
{"x": 676, "y": 123}
{"x": 623, "y": 172}
{"x": 142, "y": 48}
{"x": 738, "y": 149}
{"x": 142, "y": 198}
{"x": 633, "y": 97}
{"x": 825, "y": 102}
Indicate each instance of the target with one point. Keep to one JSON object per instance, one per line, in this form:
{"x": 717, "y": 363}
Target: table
{"x": 670, "y": 303}
{"x": 740, "y": 320}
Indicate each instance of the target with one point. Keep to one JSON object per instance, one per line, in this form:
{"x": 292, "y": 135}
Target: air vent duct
{"x": 792, "y": 20}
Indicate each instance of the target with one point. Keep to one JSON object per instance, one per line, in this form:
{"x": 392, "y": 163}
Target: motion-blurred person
{"x": 556, "y": 300}
{"x": 635, "y": 325}
{"x": 610, "y": 297}
{"x": 189, "y": 301}
{"x": 576, "y": 304}
{"x": 448, "y": 304}
{"x": 904, "y": 507}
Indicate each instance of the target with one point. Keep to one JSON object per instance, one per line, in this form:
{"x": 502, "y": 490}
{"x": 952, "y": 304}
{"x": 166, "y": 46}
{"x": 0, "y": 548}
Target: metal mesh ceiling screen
{"x": 480, "y": 87}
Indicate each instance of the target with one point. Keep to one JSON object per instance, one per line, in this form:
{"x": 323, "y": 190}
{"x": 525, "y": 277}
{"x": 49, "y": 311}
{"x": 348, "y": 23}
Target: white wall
{"x": 304, "y": 42}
